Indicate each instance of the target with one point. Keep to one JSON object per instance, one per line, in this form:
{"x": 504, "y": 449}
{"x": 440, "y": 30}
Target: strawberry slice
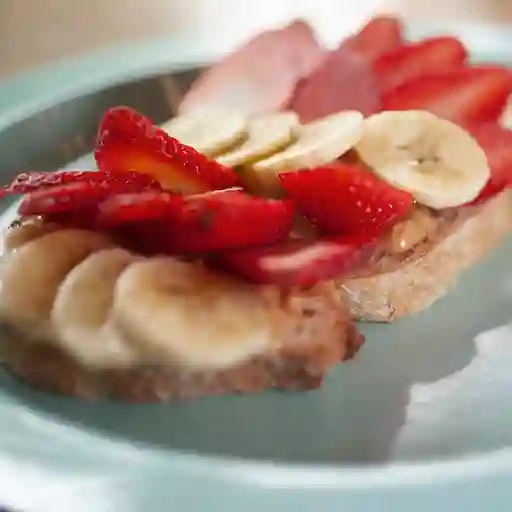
{"x": 300, "y": 262}
{"x": 31, "y": 181}
{"x": 203, "y": 222}
{"x": 343, "y": 81}
{"x": 73, "y": 197}
{"x": 343, "y": 199}
{"x": 79, "y": 192}
{"x": 380, "y": 35}
{"x": 413, "y": 60}
{"x": 464, "y": 96}
{"x": 143, "y": 206}
{"x": 497, "y": 144}
{"x": 129, "y": 141}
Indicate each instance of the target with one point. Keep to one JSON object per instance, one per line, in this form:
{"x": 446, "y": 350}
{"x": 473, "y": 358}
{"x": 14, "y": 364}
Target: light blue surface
{"x": 424, "y": 413}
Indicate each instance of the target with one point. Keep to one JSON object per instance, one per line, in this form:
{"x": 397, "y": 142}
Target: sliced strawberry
{"x": 259, "y": 76}
{"x": 344, "y": 199}
{"x": 497, "y": 144}
{"x": 301, "y": 262}
{"x": 344, "y": 81}
{"x": 129, "y": 141}
{"x": 63, "y": 198}
{"x": 211, "y": 222}
{"x": 144, "y": 206}
{"x": 31, "y": 181}
{"x": 413, "y": 60}
{"x": 464, "y": 96}
{"x": 79, "y": 197}
{"x": 380, "y": 35}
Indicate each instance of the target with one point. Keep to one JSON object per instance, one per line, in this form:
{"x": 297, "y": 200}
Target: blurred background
{"x": 35, "y": 32}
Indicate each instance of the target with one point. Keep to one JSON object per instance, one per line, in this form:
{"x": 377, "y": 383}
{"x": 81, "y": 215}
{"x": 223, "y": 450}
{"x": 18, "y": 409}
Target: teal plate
{"x": 423, "y": 414}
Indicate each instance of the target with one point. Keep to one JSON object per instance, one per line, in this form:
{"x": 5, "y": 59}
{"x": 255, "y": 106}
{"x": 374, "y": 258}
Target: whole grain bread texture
{"x": 318, "y": 335}
{"x": 433, "y": 270}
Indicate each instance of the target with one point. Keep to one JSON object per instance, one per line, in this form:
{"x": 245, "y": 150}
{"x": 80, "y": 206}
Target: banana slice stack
{"x": 437, "y": 161}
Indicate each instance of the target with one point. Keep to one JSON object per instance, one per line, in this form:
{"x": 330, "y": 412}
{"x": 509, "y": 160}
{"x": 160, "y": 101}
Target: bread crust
{"x": 419, "y": 282}
{"x": 318, "y": 336}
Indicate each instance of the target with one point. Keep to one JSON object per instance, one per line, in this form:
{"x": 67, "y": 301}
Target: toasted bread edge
{"x": 419, "y": 283}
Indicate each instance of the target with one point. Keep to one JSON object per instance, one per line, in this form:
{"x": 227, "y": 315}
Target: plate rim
{"x": 28, "y": 93}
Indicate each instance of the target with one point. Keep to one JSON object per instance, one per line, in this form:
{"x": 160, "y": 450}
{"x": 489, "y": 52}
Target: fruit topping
{"x": 143, "y": 206}
{"x": 301, "y": 262}
{"x": 413, "y": 60}
{"x": 129, "y": 141}
{"x": 73, "y": 197}
{"x": 464, "y": 96}
{"x": 346, "y": 199}
{"x": 32, "y": 181}
{"x": 208, "y": 130}
{"x": 267, "y": 134}
{"x": 497, "y": 144}
{"x": 317, "y": 143}
{"x": 435, "y": 160}
{"x": 204, "y": 222}
{"x": 343, "y": 81}
{"x": 380, "y": 35}
{"x": 258, "y": 77}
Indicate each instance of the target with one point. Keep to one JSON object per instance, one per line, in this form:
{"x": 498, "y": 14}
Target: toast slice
{"x": 319, "y": 336}
{"x": 433, "y": 268}
{"x": 312, "y": 333}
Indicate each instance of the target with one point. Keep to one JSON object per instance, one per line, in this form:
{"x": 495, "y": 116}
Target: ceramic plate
{"x": 424, "y": 413}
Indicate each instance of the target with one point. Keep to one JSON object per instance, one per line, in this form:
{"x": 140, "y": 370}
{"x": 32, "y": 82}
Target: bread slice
{"x": 432, "y": 271}
{"x": 316, "y": 334}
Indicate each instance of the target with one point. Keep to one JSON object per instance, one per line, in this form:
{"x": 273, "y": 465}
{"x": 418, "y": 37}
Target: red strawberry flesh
{"x": 342, "y": 198}
{"x": 380, "y": 35}
{"x": 144, "y": 206}
{"x": 413, "y": 60}
{"x": 201, "y": 223}
{"x": 497, "y": 144}
{"x": 32, "y": 181}
{"x": 343, "y": 81}
{"x": 301, "y": 262}
{"x": 77, "y": 196}
{"x": 464, "y": 96}
{"x": 129, "y": 141}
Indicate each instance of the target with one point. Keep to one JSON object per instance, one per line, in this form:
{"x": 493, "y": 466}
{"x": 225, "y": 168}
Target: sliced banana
{"x": 266, "y": 135}
{"x": 31, "y": 276}
{"x": 318, "y": 143}
{"x": 24, "y": 231}
{"x": 208, "y": 130}
{"x": 82, "y": 307}
{"x": 438, "y": 162}
{"x": 184, "y": 314}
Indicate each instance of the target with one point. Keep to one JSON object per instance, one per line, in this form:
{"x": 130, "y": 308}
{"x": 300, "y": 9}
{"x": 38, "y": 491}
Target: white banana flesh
{"x": 208, "y": 130}
{"x": 267, "y": 135}
{"x": 183, "y": 314}
{"x": 318, "y": 143}
{"x": 82, "y": 311}
{"x": 28, "y": 229}
{"x": 438, "y": 162}
{"x": 31, "y": 275}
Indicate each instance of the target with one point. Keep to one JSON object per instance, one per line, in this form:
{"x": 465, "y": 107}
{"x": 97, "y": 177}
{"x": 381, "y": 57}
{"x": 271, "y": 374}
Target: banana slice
{"x": 208, "y": 130}
{"x": 24, "y": 231}
{"x": 184, "y": 314}
{"x": 267, "y": 135}
{"x": 318, "y": 143}
{"x": 82, "y": 307}
{"x": 439, "y": 163}
{"x": 31, "y": 276}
